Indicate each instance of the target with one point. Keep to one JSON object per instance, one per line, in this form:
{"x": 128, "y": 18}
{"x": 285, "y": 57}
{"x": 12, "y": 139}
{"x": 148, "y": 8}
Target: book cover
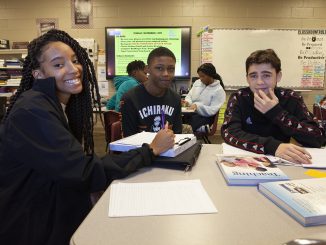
{"x": 302, "y": 199}
{"x": 182, "y": 143}
{"x": 249, "y": 170}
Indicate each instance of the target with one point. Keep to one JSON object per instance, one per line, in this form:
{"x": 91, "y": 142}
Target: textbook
{"x": 231, "y": 150}
{"x": 182, "y": 142}
{"x": 249, "y": 170}
{"x": 303, "y": 199}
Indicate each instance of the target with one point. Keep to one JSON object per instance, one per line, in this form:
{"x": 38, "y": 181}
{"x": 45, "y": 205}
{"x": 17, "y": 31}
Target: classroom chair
{"x": 116, "y": 131}
{"x": 212, "y": 131}
{"x": 2, "y": 107}
{"x": 112, "y": 126}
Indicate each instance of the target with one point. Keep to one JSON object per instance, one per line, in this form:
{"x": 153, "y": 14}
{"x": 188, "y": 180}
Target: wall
{"x": 18, "y": 17}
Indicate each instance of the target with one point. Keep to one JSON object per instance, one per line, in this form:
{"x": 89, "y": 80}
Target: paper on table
{"x": 231, "y": 150}
{"x": 159, "y": 198}
{"x": 318, "y": 158}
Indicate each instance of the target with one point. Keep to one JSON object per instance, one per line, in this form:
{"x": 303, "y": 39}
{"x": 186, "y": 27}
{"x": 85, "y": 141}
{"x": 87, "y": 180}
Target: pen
{"x": 183, "y": 141}
{"x": 162, "y": 119}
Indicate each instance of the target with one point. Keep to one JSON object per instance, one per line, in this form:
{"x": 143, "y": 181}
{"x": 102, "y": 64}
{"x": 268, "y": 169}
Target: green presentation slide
{"x": 136, "y": 44}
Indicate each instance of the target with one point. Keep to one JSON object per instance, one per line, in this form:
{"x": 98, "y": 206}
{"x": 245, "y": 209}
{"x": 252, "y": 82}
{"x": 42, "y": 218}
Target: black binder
{"x": 184, "y": 161}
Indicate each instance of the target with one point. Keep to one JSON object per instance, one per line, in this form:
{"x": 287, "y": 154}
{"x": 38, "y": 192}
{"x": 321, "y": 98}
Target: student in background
{"x": 136, "y": 75}
{"x": 206, "y": 97}
{"x": 149, "y": 106}
{"x": 48, "y": 168}
{"x": 262, "y": 118}
{"x": 322, "y": 102}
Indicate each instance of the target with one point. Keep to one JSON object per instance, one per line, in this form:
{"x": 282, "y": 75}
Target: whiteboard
{"x": 302, "y": 54}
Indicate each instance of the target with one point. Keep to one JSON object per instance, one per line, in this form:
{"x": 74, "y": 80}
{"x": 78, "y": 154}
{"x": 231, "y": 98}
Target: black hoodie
{"x": 45, "y": 177}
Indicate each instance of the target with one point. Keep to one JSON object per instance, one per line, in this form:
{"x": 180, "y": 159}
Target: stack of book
{"x": 13, "y": 82}
{"x": 14, "y": 63}
{"x": 3, "y": 77}
{"x": 304, "y": 200}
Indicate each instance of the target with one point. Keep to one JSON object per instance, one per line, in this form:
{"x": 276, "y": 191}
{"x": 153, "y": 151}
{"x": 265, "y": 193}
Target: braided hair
{"x": 209, "y": 70}
{"x": 79, "y": 109}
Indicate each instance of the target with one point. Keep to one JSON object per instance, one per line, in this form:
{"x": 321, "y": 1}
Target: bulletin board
{"x": 302, "y": 53}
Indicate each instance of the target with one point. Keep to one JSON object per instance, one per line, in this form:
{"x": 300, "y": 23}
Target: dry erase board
{"x": 302, "y": 54}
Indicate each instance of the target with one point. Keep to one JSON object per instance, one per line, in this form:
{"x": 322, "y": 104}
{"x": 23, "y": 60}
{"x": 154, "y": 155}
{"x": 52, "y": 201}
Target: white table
{"x": 244, "y": 215}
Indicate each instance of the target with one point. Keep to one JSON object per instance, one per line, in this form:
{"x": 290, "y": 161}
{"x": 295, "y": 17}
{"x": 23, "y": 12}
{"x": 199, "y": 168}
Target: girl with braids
{"x": 48, "y": 168}
{"x": 206, "y": 97}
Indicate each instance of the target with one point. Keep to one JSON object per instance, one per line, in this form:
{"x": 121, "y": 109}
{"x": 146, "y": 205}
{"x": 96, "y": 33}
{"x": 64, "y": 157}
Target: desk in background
{"x": 187, "y": 110}
{"x": 103, "y": 109}
{"x": 244, "y": 215}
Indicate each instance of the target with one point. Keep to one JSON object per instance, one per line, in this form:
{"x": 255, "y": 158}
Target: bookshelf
{"x": 10, "y": 75}
{"x": 10, "y": 53}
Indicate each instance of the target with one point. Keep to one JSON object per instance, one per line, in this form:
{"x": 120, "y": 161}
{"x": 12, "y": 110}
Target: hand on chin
{"x": 265, "y": 91}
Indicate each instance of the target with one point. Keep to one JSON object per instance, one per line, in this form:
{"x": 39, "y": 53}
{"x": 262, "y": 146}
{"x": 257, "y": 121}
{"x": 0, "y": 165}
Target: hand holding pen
{"x": 293, "y": 153}
{"x": 163, "y": 140}
{"x": 162, "y": 118}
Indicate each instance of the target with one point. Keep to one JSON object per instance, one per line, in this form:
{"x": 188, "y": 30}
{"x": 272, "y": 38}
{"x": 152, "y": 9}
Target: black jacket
{"x": 247, "y": 128}
{"x": 45, "y": 177}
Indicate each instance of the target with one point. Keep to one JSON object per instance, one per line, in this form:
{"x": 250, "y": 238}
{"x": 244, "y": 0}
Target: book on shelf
{"x": 182, "y": 142}
{"x": 13, "y": 82}
{"x": 249, "y": 170}
{"x": 4, "y": 75}
{"x": 4, "y": 44}
{"x": 303, "y": 199}
{"x": 13, "y": 63}
{"x": 7, "y": 95}
{"x": 20, "y": 45}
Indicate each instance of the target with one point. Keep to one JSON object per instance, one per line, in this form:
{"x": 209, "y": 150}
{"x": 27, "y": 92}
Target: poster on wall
{"x": 302, "y": 53}
{"x": 44, "y": 25}
{"x": 82, "y": 14}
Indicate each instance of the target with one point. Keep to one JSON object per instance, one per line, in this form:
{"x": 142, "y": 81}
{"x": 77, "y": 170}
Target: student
{"x": 48, "y": 168}
{"x": 136, "y": 75}
{"x": 206, "y": 97}
{"x": 148, "y": 106}
{"x": 322, "y": 102}
{"x": 262, "y": 118}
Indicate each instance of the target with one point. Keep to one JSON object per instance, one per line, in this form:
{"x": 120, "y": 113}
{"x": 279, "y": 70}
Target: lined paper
{"x": 159, "y": 198}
